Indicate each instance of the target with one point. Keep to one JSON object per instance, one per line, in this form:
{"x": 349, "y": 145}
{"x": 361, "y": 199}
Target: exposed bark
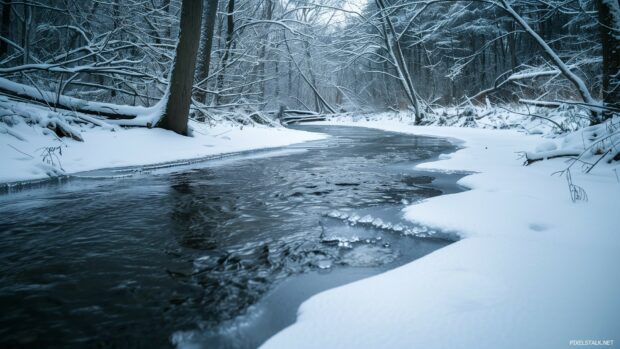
{"x": 317, "y": 103}
{"x": 26, "y": 25}
{"x": 182, "y": 77}
{"x": 5, "y": 27}
{"x": 166, "y": 9}
{"x": 230, "y": 30}
{"x": 207, "y": 44}
{"x": 610, "y": 42}
{"x": 268, "y": 16}
{"x": 511, "y": 47}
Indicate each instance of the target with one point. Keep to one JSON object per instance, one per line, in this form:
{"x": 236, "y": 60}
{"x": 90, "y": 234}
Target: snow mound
{"x": 546, "y": 146}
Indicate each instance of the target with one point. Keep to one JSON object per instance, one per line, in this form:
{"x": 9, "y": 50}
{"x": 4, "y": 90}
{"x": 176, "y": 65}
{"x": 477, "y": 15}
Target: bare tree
{"x": 177, "y": 106}
{"x": 609, "y": 18}
{"x": 230, "y": 29}
{"x": 393, "y": 45}
{"x": 114, "y": 58}
{"x": 5, "y": 27}
{"x": 555, "y": 58}
{"x": 207, "y": 45}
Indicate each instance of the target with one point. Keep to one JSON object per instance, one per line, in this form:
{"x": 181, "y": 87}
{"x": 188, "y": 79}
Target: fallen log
{"x": 295, "y": 120}
{"x": 300, "y": 112}
{"x": 530, "y": 158}
{"x": 544, "y": 104}
{"x": 51, "y": 99}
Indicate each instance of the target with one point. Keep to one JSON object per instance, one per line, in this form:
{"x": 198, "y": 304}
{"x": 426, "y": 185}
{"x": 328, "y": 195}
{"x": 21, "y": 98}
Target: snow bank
{"x": 30, "y": 152}
{"x": 532, "y": 270}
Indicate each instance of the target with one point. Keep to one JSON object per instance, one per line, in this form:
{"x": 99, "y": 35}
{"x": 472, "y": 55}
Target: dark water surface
{"x": 217, "y": 254}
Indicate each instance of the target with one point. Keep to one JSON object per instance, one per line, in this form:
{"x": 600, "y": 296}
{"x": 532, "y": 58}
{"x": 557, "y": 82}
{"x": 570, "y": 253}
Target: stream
{"x": 216, "y": 254}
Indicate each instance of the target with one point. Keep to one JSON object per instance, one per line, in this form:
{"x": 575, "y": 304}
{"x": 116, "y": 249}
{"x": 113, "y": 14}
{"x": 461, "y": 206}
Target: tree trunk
{"x": 289, "y": 80}
{"x": 6, "y": 27}
{"x": 317, "y": 95}
{"x": 512, "y": 46}
{"x": 182, "y": 76}
{"x": 230, "y": 30}
{"x": 277, "y": 74}
{"x": 166, "y": 8}
{"x": 610, "y": 42}
{"x": 395, "y": 50}
{"x": 267, "y": 15}
{"x": 317, "y": 103}
{"x": 26, "y": 24}
{"x": 207, "y": 44}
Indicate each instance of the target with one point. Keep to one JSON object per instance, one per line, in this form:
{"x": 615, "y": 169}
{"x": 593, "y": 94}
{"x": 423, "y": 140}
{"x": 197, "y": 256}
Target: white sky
{"x": 339, "y": 16}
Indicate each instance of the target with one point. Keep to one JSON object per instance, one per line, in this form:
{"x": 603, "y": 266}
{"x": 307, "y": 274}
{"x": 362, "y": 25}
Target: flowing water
{"x": 216, "y": 254}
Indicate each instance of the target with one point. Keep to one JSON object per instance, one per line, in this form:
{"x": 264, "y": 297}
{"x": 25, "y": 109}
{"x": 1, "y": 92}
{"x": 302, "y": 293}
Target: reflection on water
{"x": 192, "y": 252}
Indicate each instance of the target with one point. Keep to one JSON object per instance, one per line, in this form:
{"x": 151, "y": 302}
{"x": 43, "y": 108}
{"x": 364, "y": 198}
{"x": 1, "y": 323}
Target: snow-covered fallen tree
{"x": 123, "y": 114}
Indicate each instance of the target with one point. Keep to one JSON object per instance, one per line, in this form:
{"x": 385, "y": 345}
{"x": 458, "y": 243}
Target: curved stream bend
{"x": 218, "y": 254}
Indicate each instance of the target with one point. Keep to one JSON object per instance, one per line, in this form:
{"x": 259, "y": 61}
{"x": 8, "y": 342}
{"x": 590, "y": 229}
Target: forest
{"x": 245, "y": 59}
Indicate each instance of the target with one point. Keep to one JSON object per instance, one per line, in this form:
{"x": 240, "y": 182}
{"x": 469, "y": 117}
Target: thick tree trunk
{"x": 5, "y": 27}
{"x": 182, "y": 77}
{"x": 207, "y": 44}
{"x": 610, "y": 42}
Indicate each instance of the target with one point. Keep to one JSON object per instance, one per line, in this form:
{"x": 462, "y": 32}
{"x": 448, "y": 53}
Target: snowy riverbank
{"x": 533, "y": 269}
{"x": 30, "y": 152}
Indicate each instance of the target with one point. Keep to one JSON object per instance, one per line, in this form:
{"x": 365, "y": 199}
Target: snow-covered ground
{"x": 533, "y": 268}
{"x": 31, "y": 152}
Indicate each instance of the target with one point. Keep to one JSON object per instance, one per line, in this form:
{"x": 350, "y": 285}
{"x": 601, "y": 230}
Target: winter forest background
{"x": 325, "y": 56}
{"x": 153, "y": 194}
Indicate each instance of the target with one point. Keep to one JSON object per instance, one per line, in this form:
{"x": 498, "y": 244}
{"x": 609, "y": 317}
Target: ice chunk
{"x": 366, "y": 219}
{"x": 324, "y": 264}
{"x": 340, "y": 239}
{"x": 387, "y": 226}
{"x": 377, "y": 222}
{"x": 354, "y": 218}
{"x": 334, "y": 214}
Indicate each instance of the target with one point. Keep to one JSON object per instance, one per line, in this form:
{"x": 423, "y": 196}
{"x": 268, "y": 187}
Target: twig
{"x": 19, "y": 151}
